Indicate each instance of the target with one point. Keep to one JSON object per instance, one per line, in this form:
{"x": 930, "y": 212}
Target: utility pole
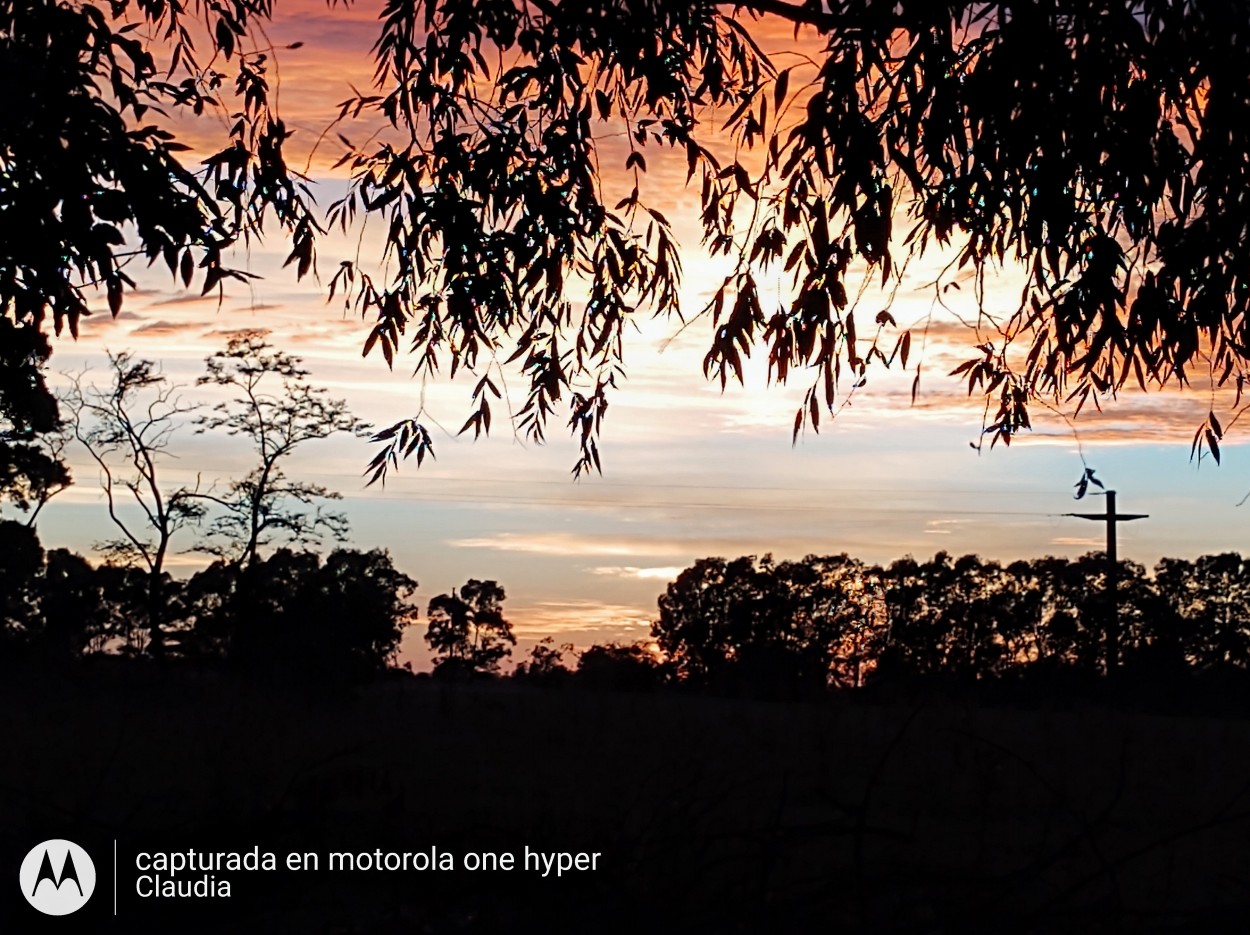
{"x": 1111, "y": 517}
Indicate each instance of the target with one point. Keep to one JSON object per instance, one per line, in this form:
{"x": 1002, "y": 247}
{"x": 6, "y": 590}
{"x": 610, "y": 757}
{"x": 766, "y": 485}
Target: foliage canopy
{"x": 1105, "y": 148}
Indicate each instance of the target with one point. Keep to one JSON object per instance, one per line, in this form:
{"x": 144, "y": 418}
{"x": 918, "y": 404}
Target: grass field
{"x": 711, "y": 815}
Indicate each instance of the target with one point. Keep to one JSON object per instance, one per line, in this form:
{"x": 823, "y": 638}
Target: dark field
{"x": 711, "y": 815}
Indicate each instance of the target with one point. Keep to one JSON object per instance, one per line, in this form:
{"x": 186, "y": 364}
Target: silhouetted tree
{"x": 32, "y": 435}
{"x": 293, "y": 612}
{"x": 88, "y": 184}
{"x": 467, "y": 630}
{"x": 1210, "y": 602}
{"x": 54, "y": 605}
{"x": 1082, "y": 608}
{"x": 545, "y": 663}
{"x": 277, "y": 410}
{"x": 75, "y": 616}
{"x": 125, "y": 590}
{"x": 972, "y": 619}
{"x": 965, "y": 618}
{"x": 1148, "y": 631}
{"x": 620, "y": 667}
{"x": 840, "y": 615}
{"x": 712, "y": 612}
{"x": 34, "y": 472}
{"x": 1024, "y": 608}
{"x": 923, "y": 631}
{"x": 771, "y": 629}
{"x": 126, "y": 428}
{"x": 21, "y": 560}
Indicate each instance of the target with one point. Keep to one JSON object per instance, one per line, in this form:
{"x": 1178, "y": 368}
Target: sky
{"x": 689, "y": 471}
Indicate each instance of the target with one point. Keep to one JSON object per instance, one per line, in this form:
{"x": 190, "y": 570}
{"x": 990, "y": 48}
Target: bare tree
{"x": 126, "y": 428}
{"x": 276, "y": 410}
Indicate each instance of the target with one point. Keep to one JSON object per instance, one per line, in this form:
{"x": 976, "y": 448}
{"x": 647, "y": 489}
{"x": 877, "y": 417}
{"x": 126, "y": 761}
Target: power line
{"x": 893, "y": 491}
{"x": 685, "y": 505}
{"x": 574, "y": 502}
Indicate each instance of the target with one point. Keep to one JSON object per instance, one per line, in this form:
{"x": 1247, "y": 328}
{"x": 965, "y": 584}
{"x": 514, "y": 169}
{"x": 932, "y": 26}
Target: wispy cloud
{"x": 593, "y": 621}
{"x": 1090, "y": 541}
{"x": 557, "y": 543}
{"x": 163, "y": 327}
{"x": 186, "y": 298}
{"x": 941, "y": 527}
{"x": 659, "y": 573}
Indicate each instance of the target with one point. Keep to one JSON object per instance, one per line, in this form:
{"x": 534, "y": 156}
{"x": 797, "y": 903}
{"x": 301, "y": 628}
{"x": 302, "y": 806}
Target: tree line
{"x": 834, "y": 621}
{"x": 748, "y": 626}
{"x": 784, "y": 629}
{"x": 334, "y": 616}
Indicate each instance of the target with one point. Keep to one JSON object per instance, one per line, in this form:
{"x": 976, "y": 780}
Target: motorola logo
{"x": 57, "y": 877}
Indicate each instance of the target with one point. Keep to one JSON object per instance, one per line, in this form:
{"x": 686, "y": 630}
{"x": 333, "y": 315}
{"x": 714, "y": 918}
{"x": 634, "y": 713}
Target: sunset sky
{"x": 689, "y": 471}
